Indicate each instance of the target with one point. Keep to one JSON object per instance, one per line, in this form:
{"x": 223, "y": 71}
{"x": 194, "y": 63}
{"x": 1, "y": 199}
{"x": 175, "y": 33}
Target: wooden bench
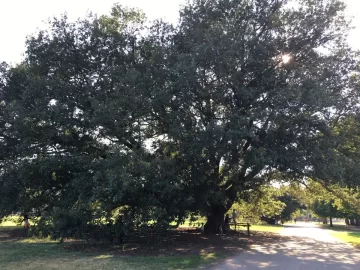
{"x": 241, "y": 224}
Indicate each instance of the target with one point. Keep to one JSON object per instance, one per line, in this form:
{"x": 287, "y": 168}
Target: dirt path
{"x": 303, "y": 247}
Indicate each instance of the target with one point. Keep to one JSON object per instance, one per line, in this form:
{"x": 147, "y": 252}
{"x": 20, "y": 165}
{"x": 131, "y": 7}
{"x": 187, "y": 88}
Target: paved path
{"x": 307, "y": 248}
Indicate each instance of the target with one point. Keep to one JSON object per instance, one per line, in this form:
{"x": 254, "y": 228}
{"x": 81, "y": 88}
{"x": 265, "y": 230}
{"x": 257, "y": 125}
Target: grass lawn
{"x": 8, "y": 223}
{"x": 266, "y": 228}
{"x": 255, "y": 228}
{"x": 345, "y": 233}
{"x": 348, "y": 237}
{"x": 16, "y": 251}
{"x": 196, "y": 223}
{"x": 258, "y": 228}
{"x": 32, "y": 253}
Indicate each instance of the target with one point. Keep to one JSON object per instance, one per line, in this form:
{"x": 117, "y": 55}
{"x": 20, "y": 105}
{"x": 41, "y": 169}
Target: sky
{"x": 19, "y": 18}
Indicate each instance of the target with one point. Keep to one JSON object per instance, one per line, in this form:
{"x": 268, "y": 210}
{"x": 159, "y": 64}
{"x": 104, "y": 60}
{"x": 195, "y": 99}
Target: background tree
{"x": 326, "y": 209}
{"x": 262, "y": 203}
{"x": 292, "y": 205}
{"x": 332, "y": 201}
{"x": 269, "y": 203}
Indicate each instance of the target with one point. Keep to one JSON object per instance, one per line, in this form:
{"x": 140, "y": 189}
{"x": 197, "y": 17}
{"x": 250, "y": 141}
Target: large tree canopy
{"x": 109, "y": 114}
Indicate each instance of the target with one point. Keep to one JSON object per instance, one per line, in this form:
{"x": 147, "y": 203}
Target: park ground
{"x": 267, "y": 247}
{"x": 300, "y": 247}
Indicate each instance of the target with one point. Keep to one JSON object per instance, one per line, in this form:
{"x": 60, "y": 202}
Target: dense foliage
{"x": 112, "y": 122}
{"x": 334, "y": 201}
{"x": 270, "y": 204}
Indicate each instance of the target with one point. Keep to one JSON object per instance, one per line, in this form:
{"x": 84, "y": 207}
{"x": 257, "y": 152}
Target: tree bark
{"x": 352, "y": 221}
{"x": 217, "y": 211}
{"x": 347, "y": 222}
{"x": 331, "y": 223}
{"x": 215, "y": 219}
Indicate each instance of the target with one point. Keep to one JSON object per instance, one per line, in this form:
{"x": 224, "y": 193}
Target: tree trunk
{"x": 331, "y": 223}
{"x": 214, "y": 220}
{"x": 357, "y": 221}
{"x": 216, "y": 211}
{"x": 352, "y": 221}
{"x": 347, "y": 222}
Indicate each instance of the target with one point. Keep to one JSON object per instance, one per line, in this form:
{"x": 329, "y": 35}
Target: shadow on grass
{"x": 175, "y": 243}
{"x": 50, "y": 255}
{"x": 10, "y": 233}
{"x": 179, "y": 250}
{"x": 340, "y": 227}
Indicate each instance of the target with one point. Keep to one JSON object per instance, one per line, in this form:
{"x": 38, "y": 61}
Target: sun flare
{"x": 286, "y": 58}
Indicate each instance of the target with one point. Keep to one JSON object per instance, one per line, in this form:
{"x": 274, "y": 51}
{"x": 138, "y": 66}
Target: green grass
{"x": 41, "y": 254}
{"x": 259, "y": 228}
{"x": 12, "y": 221}
{"x": 340, "y": 228}
{"x": 348, "y": 237}
{"x": 266, "y": 228}
{"x": 344, "y": 233}
{"x": 196, "y": 223}
{"x": 8, "y": 223}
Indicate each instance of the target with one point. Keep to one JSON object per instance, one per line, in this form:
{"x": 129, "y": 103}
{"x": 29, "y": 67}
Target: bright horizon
{"x": 19, "y": 18}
